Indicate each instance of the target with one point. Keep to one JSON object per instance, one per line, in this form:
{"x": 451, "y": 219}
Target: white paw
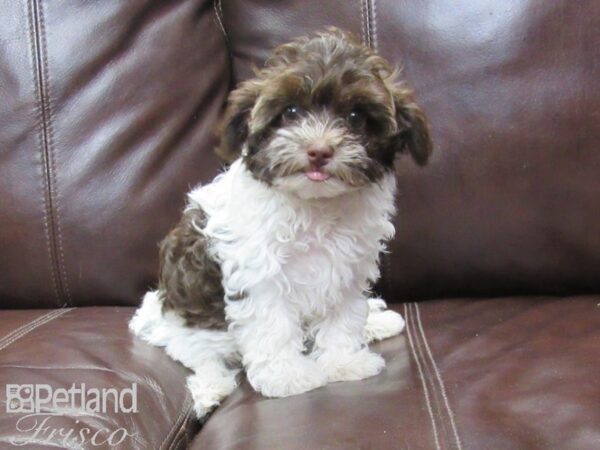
{"x": 285, "y": 377}
{"x": 208, "y": 390}
{"x": 340, "y": 366}
{"x": 381, "y": 323}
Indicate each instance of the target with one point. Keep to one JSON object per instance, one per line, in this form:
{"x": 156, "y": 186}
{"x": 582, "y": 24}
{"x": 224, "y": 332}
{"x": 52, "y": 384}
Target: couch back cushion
{"x": 106, "y": 119}
{"x": 510, "y": 202}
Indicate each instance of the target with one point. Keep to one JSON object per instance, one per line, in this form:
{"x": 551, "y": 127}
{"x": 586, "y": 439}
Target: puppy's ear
{"x": 413, "y": 132}
{"x": 234, "y": 127}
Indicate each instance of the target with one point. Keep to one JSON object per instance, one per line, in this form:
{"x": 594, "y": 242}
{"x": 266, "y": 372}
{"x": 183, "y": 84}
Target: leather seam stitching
{"x": 435, "y": 395}
{"x": 181, "y": 421}
{"x": 176, "y": 441}
{"x": 51, "y": 215}
{"x": 368, "y": 22}
{"x": 23, "y": 327}
{"x": 187, "y": 406}
{"x": 367, "y": 16}
{"x": 363, "y": 23}
{"x": 409, "y": 332}
{"x": 34, "y": 48}
{"x": 32, "y": 326}
{"x": 181, "y": 431}
{"x": 218, "y": 8}
{"x": 181, "y": 435}
{"x": 52, "y": 167}
{"x": 435, "y": 398}
{"x": 373, "y": 16}
{"x": 439, "y": 379}
{"x": 38, "y": 323}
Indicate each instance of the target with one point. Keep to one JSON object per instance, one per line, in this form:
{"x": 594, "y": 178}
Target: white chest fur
{"x": 309, "y": 253}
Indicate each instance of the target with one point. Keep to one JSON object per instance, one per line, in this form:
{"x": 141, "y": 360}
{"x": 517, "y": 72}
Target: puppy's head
{"x": 325, "y": 116}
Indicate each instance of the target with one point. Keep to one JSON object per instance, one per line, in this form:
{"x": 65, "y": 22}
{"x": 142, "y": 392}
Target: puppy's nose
{"x": 319, "y": 154}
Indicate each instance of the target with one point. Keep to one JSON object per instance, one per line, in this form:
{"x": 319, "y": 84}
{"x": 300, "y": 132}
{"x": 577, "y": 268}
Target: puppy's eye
{"x": 291, "y": 112}
{"x": 356, "y": 119}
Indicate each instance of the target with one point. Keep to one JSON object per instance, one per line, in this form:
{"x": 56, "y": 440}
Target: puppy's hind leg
{"x": 213, "y": 358}
{"x": 210, "y": 354}
{"x": 210, "y": 384}
{"x": 382, "y": 323}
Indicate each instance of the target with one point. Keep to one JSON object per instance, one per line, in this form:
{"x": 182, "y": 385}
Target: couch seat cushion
{"x": 509, "y": 373}
{"x": 91, "y": 347}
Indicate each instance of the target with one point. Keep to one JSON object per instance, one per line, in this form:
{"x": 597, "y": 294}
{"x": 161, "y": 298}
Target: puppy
{"x": 272, "y": 263}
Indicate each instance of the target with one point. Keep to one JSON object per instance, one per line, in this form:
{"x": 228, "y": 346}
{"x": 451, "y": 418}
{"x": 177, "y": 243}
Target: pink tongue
{"x": 316, "y": 175}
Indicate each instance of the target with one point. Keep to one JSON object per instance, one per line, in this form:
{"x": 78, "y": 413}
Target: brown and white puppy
{"x": 272, "y": 263}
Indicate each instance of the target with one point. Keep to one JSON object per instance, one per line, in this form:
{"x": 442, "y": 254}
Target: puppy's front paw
{"x": 285, "y": 377}
{"x": 382, "y": 324}
{"x": 340, "y": 366}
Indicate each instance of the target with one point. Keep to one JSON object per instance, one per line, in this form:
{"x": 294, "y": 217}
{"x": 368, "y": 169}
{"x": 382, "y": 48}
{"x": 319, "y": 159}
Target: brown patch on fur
{"x": 190, "y": 279}
{"x": 332, "y": 71}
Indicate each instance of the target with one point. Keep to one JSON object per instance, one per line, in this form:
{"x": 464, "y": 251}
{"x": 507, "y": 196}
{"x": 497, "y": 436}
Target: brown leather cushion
{"x": 509, "y": 203}
{"x": 93, "y": 346}
{"x": 108, "y": 107}
{"x": 106, "y": 121}
{"x": 510, "y": 373}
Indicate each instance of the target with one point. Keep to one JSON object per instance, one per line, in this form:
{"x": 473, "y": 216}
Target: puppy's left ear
{"x": 413, "y": 132}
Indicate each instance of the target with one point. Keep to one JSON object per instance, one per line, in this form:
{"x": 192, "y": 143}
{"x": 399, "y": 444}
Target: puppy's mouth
{"x": 317, "y": 174}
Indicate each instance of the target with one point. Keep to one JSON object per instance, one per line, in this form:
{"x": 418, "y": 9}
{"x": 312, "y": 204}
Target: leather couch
{"x": 107, "y": 112}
